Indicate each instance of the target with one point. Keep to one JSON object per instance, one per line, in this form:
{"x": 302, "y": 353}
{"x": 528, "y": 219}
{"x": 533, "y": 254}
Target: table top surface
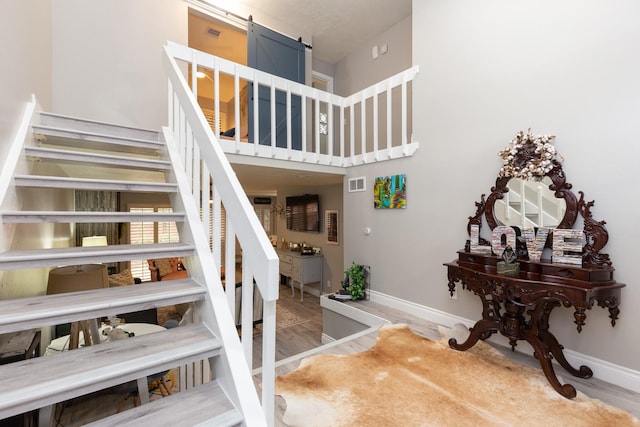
{"x": 62, "y": 343}
{"x": 523, "y": 279}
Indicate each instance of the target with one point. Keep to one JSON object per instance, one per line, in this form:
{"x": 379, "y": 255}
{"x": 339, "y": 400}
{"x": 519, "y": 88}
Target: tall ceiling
{"x": 338, "y": 27}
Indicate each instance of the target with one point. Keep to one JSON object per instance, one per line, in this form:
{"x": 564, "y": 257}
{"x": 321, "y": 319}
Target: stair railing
{"x": 212, "y": 184}
{"x": 369, "y": 126}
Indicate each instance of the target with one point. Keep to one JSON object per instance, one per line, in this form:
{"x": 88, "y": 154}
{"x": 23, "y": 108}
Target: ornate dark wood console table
{"x": 530, "y": 212}
{"x": 519, "y": 307}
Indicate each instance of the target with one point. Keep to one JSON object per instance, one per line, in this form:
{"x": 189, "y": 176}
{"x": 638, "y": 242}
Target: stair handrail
{"x": 202, "y": 157}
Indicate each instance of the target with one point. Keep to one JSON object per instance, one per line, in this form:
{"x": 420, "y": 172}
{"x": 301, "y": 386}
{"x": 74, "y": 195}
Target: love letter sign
{"x": 566, "y": 249}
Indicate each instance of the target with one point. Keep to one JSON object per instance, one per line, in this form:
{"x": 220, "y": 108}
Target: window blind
{"x": 149, "y": 232}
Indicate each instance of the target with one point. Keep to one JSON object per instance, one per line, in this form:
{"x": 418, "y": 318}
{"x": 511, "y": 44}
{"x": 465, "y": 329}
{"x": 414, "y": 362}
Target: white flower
{"x": 538, "y": 165}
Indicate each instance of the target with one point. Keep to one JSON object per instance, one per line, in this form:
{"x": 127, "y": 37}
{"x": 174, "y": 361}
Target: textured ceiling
{"x": 337, "y": 26}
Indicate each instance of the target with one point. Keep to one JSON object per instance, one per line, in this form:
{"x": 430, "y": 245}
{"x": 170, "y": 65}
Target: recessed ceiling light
{"x": 201, "y": 75}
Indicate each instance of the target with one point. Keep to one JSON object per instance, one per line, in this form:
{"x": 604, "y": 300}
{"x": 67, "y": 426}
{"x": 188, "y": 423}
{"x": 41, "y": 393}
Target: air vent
{"x": 212, "y": 32}
{"x": 357, "y": 184}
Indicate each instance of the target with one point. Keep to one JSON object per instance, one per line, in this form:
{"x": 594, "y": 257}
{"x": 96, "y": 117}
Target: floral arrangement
{"x": 528, "y": 156}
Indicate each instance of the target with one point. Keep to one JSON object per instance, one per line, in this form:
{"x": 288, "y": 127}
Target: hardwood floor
{"x": 304, "y": 338}
{"x": 299, "y": 337}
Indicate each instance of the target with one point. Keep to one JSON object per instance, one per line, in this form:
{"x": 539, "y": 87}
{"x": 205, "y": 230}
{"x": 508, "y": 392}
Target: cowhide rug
{"x": 408, "y": 380}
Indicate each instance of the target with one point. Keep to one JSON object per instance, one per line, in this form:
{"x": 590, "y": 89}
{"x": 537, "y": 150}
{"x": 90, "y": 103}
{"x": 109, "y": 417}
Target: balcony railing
{"x": 369, "y": 126}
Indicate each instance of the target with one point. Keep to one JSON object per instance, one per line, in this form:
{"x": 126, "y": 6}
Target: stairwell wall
{"x": 108, "y": 64}
{"x": 488, "y": 70}
{"x": 25, "y": 38}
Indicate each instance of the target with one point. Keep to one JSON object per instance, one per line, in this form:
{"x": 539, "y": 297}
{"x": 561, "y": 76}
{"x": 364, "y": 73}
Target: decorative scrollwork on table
{"x": 595, "y": 233}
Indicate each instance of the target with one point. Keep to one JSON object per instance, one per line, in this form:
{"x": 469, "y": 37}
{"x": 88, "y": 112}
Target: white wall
{"x": 107, "y": 62}
{"x": 117, "y": 60}
{"x": 359, "y": 70}
{"x": 25, "y": 68}
{"x": 487, "y": 70}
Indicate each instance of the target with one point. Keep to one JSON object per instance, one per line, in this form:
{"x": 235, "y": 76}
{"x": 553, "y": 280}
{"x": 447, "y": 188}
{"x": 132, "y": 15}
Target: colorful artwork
{"x": 390, "y": 192}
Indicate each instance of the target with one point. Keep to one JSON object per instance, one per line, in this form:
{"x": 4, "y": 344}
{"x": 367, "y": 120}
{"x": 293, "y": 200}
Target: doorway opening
{"x": 227, "y": 41}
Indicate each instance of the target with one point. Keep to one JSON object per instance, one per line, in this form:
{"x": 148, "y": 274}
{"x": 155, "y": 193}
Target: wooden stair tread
{"x": 31, "y": 258}
{"x": 113, "y": 161}
{"x": 26, "y": 313}
{"x": 56, "y": 135}
{"x": 206, "y": 403}
{"x": 41, "y": 381}
{"x": 121, "y": 145}
{"x": 44, "y": 181}
{"x": 64, "y": 121}
{"x": 88, "y": 216}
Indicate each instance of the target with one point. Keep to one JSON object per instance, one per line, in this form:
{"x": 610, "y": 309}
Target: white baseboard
{"x": 326, "y": 339}
{"x": 606, "y": 371}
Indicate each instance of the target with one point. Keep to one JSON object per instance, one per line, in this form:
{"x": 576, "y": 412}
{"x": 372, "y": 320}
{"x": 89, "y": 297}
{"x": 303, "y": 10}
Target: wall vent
{"x": 213, "y": 32}
{"x": 357, "y": 184}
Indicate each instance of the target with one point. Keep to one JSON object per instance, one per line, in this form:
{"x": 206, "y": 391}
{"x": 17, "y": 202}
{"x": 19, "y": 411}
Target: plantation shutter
{"x": 149, "y": 232}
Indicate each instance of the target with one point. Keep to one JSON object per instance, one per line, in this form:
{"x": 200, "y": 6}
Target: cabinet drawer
{"x": 285, "y": 258}
{"x": 286, "y": 269}
{"x": 589, "y": 275}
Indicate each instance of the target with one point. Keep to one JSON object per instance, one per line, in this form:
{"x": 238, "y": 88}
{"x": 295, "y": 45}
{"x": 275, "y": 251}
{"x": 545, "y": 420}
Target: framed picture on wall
{"x": 331, "y": 225}
{"x": 390, "y": 192}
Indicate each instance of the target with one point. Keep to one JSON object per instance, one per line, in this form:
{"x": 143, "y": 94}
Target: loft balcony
{"x": 369, "y": 126}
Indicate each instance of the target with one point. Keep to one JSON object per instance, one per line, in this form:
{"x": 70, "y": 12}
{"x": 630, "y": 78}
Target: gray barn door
{"x": 276, "y": 54}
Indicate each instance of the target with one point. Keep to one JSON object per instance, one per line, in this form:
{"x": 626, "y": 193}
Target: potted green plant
{"x": 354, "y": 281}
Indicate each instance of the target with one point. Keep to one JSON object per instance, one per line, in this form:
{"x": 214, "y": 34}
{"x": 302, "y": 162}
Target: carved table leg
{"x": 579, "y": 316}
{"x": 477, "y": 332}
{"x": 452, "y": 287}
{"x": 556, "y": 349}
{"x": 543, "y": 356}
{"x": 541, "y": 318}
{"x": 513, "y": 322}
{"x": 613, "y": 314}
{"x": 546, "y": 347}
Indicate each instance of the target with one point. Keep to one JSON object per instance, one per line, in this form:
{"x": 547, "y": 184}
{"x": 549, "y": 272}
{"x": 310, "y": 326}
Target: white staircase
{"x": 80, "y": 154}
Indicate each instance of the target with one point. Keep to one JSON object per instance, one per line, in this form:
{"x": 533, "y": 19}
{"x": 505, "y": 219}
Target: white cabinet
{"x": 301, "y": 268}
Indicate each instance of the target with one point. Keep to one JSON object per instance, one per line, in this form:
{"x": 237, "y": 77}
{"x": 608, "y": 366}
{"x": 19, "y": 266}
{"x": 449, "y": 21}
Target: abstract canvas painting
{"x": 390, "y": 192}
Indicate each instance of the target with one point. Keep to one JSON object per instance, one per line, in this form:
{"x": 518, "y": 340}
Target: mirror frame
{"x": 596, "y": 235}
{"x": 559, "y": 185}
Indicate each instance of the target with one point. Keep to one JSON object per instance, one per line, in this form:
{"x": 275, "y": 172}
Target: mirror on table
{"x": 530, "y": 203}
{"x": 531, "y": 193}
